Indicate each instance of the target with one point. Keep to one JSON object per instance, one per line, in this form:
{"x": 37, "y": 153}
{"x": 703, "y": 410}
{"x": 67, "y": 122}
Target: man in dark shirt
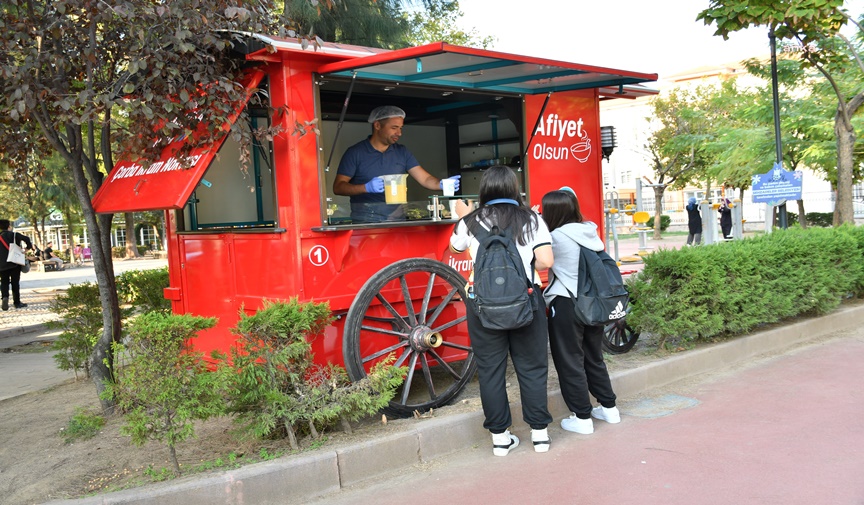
{"x": 48, "y": 255}
{"x": 363, "y": 165}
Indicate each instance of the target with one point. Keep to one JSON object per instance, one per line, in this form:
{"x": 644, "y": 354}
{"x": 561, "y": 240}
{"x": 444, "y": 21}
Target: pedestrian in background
{"x": 77, "y": 254}
{"x": 10, "y": 273}
{"x": 502, "y": 206}
{"x": 577, "y": 350}
{"x": 694, "y": 222}
{"x": 725, "y": 211}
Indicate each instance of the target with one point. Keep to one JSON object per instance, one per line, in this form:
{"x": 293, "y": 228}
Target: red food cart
{"x": 276, "y": 230}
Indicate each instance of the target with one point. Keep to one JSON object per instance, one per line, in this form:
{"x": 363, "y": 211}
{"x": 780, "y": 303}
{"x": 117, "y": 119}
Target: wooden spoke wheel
{"x": 413, "y": 309}
{"x": 619, "y": 337}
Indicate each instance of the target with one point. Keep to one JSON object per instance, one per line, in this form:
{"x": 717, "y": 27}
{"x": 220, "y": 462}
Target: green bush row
{"x": 710, "y": 292}
{"x": 823, "y": 219}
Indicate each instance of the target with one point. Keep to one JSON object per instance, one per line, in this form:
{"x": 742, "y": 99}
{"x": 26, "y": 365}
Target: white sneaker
{"x": 576, "y": 425}
{"x": 541, "y": 440}
{"x": 611, "y": 416}
{"x": 503, "y": 443}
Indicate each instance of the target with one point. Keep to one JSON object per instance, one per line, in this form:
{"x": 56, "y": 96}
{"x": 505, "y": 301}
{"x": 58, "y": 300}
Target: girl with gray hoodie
{"x": 576, "y": 349}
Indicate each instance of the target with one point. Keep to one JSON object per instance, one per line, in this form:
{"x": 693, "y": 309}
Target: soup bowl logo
{"x": 581, "y": 150}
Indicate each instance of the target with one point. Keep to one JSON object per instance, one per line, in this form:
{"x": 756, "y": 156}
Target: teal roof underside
{"x": 445, "y": 65}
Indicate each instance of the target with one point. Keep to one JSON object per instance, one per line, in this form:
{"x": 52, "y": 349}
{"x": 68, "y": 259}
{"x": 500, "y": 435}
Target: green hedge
{"x": 710, "y": 292}
{"x": 120, "y": 251}
{"x": 144, "y": 289}
{"x": 665, "y": 221}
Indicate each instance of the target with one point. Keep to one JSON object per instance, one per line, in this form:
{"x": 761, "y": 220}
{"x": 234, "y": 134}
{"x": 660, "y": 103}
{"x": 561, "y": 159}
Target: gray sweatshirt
{"x": 564, "y": 273}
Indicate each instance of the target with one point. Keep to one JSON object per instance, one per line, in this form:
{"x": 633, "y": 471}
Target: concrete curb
{"x": 300, "y": 479}
{"x": 18, "y": 330}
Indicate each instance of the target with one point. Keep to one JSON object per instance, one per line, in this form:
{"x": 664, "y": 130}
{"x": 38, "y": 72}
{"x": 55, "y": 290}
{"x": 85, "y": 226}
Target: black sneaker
{"x": 20, "y": 305}
{"x": 5, "y": 304}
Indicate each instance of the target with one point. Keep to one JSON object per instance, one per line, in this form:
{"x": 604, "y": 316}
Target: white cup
{"x": 453, "y": 209}
{"x": 449, "y": 187}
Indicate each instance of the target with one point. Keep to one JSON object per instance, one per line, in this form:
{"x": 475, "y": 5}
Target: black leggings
{"x": 13, "y": 276}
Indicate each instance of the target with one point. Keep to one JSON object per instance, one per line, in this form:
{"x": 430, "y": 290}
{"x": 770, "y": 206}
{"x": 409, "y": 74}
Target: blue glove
{"x": 455, "y": 180}
{"x": 376, "y": 185}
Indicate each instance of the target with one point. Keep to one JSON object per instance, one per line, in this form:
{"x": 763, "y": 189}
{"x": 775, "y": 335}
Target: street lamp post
{"x": 781, "y": 209}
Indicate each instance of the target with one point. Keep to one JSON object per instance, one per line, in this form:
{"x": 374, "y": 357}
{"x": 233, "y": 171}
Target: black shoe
{"x": 20, "y": 305}
{"x": 5, "y": 304}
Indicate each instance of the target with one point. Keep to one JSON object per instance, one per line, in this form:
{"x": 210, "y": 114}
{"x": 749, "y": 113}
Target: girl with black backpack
{"x": 501, "y": 206}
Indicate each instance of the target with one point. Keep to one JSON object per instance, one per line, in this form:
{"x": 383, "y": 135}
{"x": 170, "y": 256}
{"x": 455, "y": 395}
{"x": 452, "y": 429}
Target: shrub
{"x": 83, "y": 425}
{"x": 665, "y": 221}
{"x": 823, "y": 219}
{"x": 144, "y": 289}
{"x": 704, "y": 293}
{"x": 166, "y": 385}
{"x": 80, "y": 312}
{"x": 275, "y": 387}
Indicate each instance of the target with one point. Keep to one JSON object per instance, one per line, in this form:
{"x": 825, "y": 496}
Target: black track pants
{"x": 527, "y": 348}
{"x": 577, "y": 352}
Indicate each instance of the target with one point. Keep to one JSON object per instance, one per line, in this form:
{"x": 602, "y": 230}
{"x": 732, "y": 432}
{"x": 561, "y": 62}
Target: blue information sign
{"x": 777, "y": 186}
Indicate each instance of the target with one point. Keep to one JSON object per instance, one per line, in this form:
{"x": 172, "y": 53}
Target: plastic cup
{"x": 453, "y": 209}
{"x": 449, "y": 187}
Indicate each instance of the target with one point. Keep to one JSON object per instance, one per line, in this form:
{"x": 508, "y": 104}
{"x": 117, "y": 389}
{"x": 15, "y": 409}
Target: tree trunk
{"x": 98, "y": 231}
{"x": 292, "y": 437}
{"x": 802, "y": 219}
{"x": 173, "y": 452}
{"x": 131, "y": 239}
{"x": 658, "y": 210}
{"x": 843, "y": 209}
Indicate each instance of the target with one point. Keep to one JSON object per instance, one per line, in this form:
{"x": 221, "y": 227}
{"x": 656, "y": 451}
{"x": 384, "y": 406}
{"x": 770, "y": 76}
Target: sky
{"x": 651, "y": 36}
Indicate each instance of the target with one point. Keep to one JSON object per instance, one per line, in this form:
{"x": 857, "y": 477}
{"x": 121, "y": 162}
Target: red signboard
{"x": 166, "y": 183}
{"x": 565, "y": 149}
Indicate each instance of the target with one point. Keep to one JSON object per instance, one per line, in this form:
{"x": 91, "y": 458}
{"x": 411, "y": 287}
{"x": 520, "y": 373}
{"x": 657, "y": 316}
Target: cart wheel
{"x": 619, "y": 337}
{"x": 427, "y": 335}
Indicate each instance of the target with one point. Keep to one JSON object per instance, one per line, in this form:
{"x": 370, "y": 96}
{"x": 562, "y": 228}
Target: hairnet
{"x": 567, "y": 189}
{"x": 385, "y": 112}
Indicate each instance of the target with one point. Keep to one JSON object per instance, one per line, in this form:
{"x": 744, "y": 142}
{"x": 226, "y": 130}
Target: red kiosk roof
{"x": 166, "y": 183}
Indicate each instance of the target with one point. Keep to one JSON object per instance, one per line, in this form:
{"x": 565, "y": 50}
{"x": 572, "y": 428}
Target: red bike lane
{"x": 786, "y": 429}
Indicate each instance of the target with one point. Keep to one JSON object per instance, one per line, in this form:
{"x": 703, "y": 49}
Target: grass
{"x": 83, "y": 425}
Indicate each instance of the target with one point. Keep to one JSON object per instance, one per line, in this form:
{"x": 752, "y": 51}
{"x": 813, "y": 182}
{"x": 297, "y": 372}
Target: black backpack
{"x": 601, "y": 296}
{"x": 502, "y": 292}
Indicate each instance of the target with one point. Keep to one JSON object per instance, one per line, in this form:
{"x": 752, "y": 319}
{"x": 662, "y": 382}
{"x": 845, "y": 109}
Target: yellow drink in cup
{"x": 396, "y": 188}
